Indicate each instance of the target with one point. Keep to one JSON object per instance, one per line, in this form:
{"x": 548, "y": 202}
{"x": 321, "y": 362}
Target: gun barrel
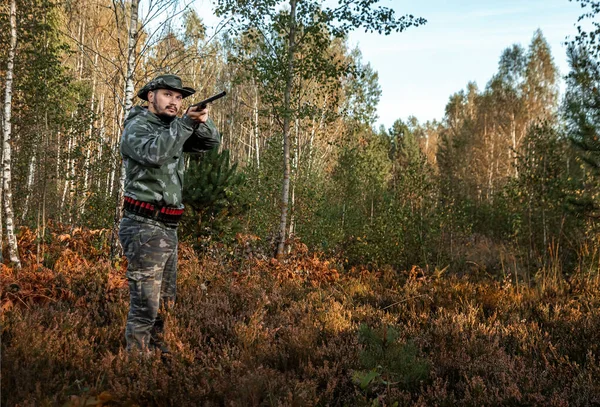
{"x": 211, "y": 99}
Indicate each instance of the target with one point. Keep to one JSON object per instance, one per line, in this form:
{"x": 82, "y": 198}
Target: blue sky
{"x": 462, "y": 41}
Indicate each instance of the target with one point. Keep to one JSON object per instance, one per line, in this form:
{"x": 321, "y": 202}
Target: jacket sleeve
{"x": 205, "y": 137}
{"x": 154, "y": 145}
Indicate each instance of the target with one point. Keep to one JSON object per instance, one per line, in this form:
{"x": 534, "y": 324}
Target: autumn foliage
{"x": 250, "y": 331}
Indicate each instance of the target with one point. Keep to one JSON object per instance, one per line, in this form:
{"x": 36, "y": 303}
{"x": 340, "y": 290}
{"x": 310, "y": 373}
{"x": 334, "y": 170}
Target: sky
{"x": 419, "y": 69}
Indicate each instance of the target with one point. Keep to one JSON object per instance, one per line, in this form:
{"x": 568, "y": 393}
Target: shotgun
{"x": 202, "y": 104}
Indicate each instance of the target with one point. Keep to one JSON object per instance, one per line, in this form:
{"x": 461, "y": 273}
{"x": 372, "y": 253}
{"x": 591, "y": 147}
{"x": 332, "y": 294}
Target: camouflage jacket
{"x": 152, "y": 154}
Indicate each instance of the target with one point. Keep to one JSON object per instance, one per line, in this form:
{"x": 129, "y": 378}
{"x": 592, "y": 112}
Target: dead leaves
{"x": 37, "y": 246}
{"x": 302, "y": 267}
{"x": 51, "y": 265}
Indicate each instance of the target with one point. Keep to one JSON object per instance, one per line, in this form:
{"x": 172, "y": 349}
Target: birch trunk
{"x": 232, "y": 138}
{"x": 114, "y": 146}
{"x": 69, "y": 173}
{"x": 513, "y": 132}
{"x": 296, "y": 176}
{"x": 58, "y": 162}
{"x": 6, "y": 159}
{"x": 30, "y": 178}
{"x": 129, "y": 90}
{"x": 131, "y": 56}
{"x": 256, "y": 133}
{"x": 89, "y": 142}
{"x": 285, "y": 189}
{"x": 491, "y": 170}
{"x": 102, "y": 139}
{"x": 1, "y": 200}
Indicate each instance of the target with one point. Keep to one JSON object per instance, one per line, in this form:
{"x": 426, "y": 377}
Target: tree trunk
{"x": 1, "y": 202}
{"x": 116, "y": 123}
{"x": 285, "y": 189}
{"x": 89, "y": 142}
{"x": 68, "y": 179}
{"x": 129, "y": 90}
{"x": 29, "y": 189}
{"x": 256, "y": 133}
{"x": 131, "y": 56}
{"x": 513, "y": 132}
{"x": 102, "y": 139}
{"x": 58, "y": 162}
{"x": 295, "y": 174}
{"x": 6, "y": 159}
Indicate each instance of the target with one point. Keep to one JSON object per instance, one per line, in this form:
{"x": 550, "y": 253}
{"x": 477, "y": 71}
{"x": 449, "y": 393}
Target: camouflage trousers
{"x": 151, "y": 252}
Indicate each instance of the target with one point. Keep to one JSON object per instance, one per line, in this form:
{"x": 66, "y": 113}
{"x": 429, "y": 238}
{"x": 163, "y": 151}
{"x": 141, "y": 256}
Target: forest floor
{"x": 251, "y": 331}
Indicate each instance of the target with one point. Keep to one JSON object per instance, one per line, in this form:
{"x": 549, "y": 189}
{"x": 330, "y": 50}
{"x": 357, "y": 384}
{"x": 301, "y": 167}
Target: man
{"x": 152, "y": 144}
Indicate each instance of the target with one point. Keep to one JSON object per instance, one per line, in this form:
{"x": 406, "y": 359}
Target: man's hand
{"x": 198, "y": 115}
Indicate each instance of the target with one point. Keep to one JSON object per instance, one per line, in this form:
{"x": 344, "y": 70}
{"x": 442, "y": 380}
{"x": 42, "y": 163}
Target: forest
{"x": 322, "y": 260}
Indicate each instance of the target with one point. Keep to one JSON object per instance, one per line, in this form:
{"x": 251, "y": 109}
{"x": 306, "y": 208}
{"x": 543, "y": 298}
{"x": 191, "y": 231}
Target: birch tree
{"x": 296, "y": 35}
{"x": 132, "y": 39}
{"x": 6, "y": 131}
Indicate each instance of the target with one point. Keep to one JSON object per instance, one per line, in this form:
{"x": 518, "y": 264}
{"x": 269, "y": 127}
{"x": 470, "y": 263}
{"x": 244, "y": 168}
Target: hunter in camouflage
{"x": 153, "y": 142}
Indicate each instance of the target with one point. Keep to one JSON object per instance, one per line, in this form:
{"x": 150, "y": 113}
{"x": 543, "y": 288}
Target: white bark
{"x": 285, "y": 189}
{"x": 87, "y": 161}
{"x": 256, "y": 133}
{"x": 69, "y": 173}
{"x": 30, "y": 178}
{"x": 129, "y": 86}
{"x": 131, "y": 55}
{"x": 129, "y": 93}
{"x": 102, "y": 140}
{"x": 82, "y": 54}
{"x": 58, "y": 163}
{"x": 6, "y": 159}
{"x": 513, "y": 133}
{"x": 1, "y": 198}
{"x": 296, "y": 169}
{"x": 114, "y": 146}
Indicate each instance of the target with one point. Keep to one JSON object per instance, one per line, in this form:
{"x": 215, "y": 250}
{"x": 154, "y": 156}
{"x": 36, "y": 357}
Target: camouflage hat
{"x": 172, "y": 82}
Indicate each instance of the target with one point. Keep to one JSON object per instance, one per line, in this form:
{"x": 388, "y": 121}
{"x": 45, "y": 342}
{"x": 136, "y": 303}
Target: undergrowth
{"x": 251, "y": 331}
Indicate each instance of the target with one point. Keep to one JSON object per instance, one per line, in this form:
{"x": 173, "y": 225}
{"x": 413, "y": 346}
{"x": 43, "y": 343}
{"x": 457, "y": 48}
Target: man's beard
{"x": 165, "y": 117}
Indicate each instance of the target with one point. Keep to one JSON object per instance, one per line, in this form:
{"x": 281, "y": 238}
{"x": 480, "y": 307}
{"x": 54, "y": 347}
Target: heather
{"x": 250, "y": 330}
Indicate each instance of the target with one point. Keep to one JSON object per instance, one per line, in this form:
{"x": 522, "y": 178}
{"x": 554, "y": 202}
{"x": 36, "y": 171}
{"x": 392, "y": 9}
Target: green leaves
{"x": 389, "y": 362}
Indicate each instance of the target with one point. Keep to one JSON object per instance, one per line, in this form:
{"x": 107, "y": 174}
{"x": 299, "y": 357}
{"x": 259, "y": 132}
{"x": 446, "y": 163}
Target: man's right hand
{"x": 197, "y": 114}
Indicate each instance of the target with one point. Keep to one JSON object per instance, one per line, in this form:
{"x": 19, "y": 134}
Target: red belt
{"x": 164, "y": 214}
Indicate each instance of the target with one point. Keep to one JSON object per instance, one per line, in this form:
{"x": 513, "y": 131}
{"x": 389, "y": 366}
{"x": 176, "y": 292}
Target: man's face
{"x": 164, "y": 102}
